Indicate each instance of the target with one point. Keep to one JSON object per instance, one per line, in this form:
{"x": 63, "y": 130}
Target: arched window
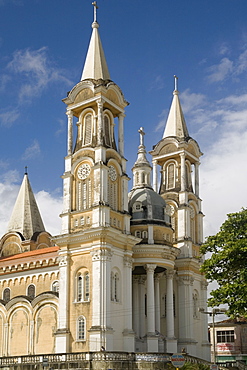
{"x": 81, "y": 328}
{"x": 138, "y": 234}
{"x": 86, "y": 286}
{"x": 188, "y": 176}
{"x": 31, "y": 291}
{"x": 6, "y": 294}
{"x": 170, "y": 176}
{"x": 115, "y": 287}
{"x": 144, "y": 234}
{"x": 87, "y": 134}
{"x": 195, "y": 305}
{"x": 83, "y": 287}
{"x": 193, "y": 224}
{"x": 55, "y": 286}
{"x": 112, "y": 188}
{"x": 79, "y": 287}
{"x": 107, "y": 131}
{"x": 84, "y": 195}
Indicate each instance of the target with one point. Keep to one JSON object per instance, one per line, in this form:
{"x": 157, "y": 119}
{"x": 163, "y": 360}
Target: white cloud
{"x": 191, "y": 101}
{"x": 223, "y": 169}
{"x": 50, "y": 205}
{"x": 8, "y": 116}
{"x": 162, "y": 120}
{"x": 61, "y": 129}
{"x": 219, "y": 72}
{"x": 33, "y": 151}
{"x": 35, "y": 71}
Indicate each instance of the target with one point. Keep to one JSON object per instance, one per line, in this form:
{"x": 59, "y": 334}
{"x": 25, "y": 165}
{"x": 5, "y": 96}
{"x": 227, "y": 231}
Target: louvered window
{"x": 88, "y": 129}
{"x": 107, "y": 131}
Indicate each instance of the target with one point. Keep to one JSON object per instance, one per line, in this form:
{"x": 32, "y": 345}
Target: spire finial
{"x": 95, "y": 10}
{"x": 25, "y": 170}
{"x": 142, "y": 133}
{"x": 176, "y": 82}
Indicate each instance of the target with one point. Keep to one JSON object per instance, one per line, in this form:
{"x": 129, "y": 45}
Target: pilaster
{"x": 63, "y": 333}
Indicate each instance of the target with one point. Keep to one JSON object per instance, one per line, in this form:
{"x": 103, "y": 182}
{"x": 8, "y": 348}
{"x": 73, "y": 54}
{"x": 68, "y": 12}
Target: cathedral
{"x": 124, "y": 273}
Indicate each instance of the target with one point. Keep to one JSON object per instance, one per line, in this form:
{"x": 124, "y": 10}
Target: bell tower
{"x": 95, "y": 243}
{"x": 177, "y": 155}
{"x": 94, "y": 180}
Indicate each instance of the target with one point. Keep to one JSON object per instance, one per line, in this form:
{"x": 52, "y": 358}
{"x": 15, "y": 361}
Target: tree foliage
{"x": 227, "y": 264}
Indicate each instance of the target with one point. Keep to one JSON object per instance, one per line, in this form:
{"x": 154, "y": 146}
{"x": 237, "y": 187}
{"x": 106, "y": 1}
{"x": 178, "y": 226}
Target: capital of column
{"x": 135, "y": 279}
{"x": 63, "y": 260}
{"x": 186, "y": 280}
{"x": 142, "y": 279}
{"x": 170, "y": 274}
{"x": 128, "y": 261}
{"x": 150, "y": 268}
{"x": 69, "y": 113}
{"x": 204, "y": 285}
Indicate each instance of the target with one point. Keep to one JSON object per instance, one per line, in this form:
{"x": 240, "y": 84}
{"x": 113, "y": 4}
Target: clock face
{"x": 112, "y": 173}
{"x": 83, "y": 171}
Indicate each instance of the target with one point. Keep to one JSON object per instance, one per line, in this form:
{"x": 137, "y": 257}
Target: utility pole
{"x": 215, "y": 311}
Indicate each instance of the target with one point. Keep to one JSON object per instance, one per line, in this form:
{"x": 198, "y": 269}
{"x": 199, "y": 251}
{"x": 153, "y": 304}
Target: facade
{"x": 124, "y": 274}
{"x": 230, "y": 338}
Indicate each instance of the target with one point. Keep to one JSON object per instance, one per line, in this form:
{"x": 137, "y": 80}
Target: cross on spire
{"x": 142, "y": 133}
{"x": 95, "y": 10}
{"x": 176, "y": 82}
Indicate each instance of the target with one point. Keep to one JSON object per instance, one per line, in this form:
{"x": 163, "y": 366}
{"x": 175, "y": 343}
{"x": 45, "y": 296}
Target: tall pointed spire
{"x": 95, "y": 66}
{"x": 25, "y": 217}
{"x": 176, "y": 125}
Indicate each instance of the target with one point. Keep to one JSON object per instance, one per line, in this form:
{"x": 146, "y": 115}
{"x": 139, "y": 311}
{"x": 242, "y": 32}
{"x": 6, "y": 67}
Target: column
{"x": 155, "y": 176}
{"x": 185, "y": 313}
{"x": 150, "y": 299}
{"x": 101, "y": 333}
{"x": 62, "y": 333}
{"x": 157, "y": 301}
{"x": 152, "y": 339}
{"x": 169, "y": 304}
{"x": 171, "y": 342}
{"x": 128, "y": 333}
{"x": 197, "y": 178}
{"x": 70, "y": 132}
{"x": 136, "y": 304}
{"x": 142, "y": 318}
{"x": 206, "y": 346}
{"x": 121, "y": 134}
{"x": 183, "y": 172}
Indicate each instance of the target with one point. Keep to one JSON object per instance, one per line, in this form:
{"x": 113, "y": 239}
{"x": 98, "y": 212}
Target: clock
{"x": 112, "y": 173}
{"x": 83, "y": 171}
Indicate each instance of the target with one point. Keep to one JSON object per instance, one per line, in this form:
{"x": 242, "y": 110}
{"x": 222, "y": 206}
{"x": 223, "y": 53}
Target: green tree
{"x": 227, "y": 264}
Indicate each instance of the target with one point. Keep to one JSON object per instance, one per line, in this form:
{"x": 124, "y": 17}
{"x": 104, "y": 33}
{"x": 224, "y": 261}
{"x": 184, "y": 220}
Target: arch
{"x": 86, "y": 127}
{"x": 45, "y": 325}
{"x": 19, "y": 330}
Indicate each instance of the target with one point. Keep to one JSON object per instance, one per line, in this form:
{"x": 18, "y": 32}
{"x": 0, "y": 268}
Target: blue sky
{"x": 42, "y": 50}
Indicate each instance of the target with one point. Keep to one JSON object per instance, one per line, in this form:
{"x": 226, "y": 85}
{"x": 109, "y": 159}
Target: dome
{"x": 146, "y": 204}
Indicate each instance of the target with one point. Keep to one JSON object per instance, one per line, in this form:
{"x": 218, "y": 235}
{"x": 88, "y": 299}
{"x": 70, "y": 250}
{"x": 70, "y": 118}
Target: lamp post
{"x": 215, "y": 311}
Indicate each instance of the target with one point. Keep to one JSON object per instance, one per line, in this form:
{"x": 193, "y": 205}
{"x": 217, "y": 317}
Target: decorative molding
{"x": 101, "y": 255}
